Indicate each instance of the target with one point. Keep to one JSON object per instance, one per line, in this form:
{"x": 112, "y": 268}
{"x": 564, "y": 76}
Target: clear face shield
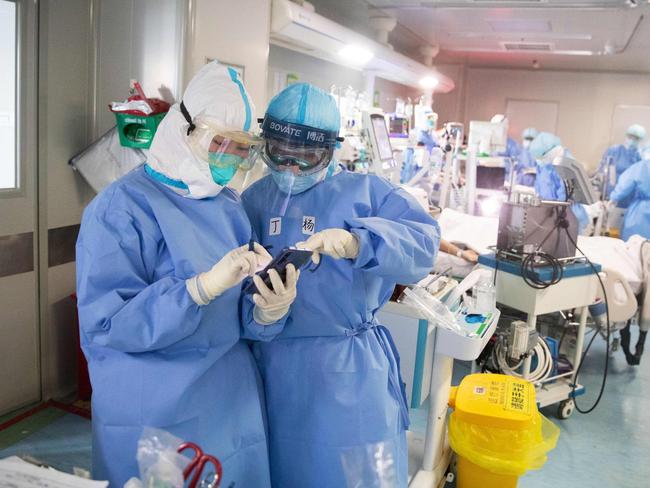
{"x": 222, "y": 147}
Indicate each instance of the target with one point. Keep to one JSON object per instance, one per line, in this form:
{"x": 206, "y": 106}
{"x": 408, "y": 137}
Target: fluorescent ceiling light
{"x": 356, "y": 54}
{"x": 429, "y": 82}
{"x": 521, "y": 25}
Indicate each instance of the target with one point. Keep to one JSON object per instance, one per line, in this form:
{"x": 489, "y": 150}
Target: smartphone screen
{"x": 298, "y": 257}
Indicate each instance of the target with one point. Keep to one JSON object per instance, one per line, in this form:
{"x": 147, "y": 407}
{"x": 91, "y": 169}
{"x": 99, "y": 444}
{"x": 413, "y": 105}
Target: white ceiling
{"x": 579, "y": 33}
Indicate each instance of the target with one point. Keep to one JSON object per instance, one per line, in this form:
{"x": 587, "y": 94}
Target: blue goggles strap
{"x": 297, "y": 133}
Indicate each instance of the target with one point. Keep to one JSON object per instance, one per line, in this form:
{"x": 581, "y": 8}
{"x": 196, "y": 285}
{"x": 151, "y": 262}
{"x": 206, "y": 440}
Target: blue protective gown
{"x": 634, "y": 185}
{"x": 512, "y": 153}
{"x": 548, "y": 184}
{"x": 525, "y": 162}
{"x": 155, "y": 357}
{"x": 426, "y": 138}
{"x": 622, "y": 158}
{"x": 331, "y": 374}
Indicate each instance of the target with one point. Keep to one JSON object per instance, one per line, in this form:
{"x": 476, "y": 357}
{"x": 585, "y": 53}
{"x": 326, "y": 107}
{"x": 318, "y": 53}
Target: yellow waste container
{"x": 496, "y": 431}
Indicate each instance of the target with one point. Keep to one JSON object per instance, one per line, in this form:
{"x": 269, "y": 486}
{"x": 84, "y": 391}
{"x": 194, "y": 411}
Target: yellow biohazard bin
{"x": 496, "y": 431}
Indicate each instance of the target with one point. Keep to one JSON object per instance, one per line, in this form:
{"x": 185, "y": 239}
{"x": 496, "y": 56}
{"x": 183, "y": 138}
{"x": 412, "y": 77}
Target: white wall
{"x": 138, "y": 39}
{"x": 310, "y": 70}
{"x": 324, "y": 74}
{"x": 233, "y": 33}
{"x": 586, "y": 101}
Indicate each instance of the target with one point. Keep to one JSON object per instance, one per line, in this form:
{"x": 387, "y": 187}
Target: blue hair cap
{"x": 305, "y": 104}
{"x": 543, "y": 143}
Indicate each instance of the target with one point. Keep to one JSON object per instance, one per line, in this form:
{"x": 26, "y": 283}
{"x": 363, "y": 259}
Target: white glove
{"x": 595, "y": 209}
{"x": 337, "y": 243}
{"x": 228, "y": 272}
{"x": 272, "y": 305}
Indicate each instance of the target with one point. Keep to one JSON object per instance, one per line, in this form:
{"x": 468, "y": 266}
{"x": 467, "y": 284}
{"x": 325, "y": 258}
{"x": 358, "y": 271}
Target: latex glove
{"x": 595, "y": 209}
{"x": 337, "y": 243}
{"x": 228, "y": 272}
{"x": 611, "y": 205}
{"x": 469, "y": 255}
{"x": 272, "y": 305}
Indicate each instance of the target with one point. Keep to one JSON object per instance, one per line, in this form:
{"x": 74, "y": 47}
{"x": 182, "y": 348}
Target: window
{"x": 8, "y": 166}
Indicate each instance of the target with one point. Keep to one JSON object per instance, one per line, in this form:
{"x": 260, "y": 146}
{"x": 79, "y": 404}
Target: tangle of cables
{"x": 542, "y": 370}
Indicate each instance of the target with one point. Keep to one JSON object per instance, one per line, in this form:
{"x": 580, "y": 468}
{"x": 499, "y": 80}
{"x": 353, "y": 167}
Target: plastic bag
{"x": 433, "y": 309}
{"x": 370, "y": 466}
{"x": 504, "y": 451}
{"x": 160, "y": 465}
{"x": 106, "y": 160}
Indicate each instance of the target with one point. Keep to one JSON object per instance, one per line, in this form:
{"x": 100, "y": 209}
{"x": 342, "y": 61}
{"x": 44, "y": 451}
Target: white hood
{"x": 216, "y": 92}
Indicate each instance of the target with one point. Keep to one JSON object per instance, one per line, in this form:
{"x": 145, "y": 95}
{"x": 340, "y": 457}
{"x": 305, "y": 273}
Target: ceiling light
{"x": 356, "y": 54}
{"x": 429, "y": 82}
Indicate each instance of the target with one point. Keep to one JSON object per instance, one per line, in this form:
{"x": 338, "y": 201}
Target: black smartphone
{"x": 298, "y": 257}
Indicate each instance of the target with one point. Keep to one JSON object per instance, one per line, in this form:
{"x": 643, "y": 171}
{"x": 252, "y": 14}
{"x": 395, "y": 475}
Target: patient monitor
{"x": 383, "y": 161}
{"x": 574, "y": 175}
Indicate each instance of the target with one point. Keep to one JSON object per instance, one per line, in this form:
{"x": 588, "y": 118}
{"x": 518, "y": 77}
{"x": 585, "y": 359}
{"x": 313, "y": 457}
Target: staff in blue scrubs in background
{"x": 634, "y": 185}
{"x": 622, "y": 156}
{"x": 545, "y": 148}
{"x": 160, "y": 258}
{"x": 331, "y": 372}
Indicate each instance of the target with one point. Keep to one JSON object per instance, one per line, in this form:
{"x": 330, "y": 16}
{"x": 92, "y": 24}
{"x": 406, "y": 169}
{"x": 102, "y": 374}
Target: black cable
{"x": 582, "y": 358}
{"x": 538, "y": 257}
{"x": 532, "y": 279}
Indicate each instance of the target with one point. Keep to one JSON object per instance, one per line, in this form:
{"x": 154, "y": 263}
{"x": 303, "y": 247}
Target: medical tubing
{"x": 544, "y": 366}
{"x": 579, "y": 367}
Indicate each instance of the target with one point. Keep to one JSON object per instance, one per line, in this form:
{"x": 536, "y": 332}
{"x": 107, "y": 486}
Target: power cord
{"x": 539, "y": 258}
{"x": 606, "y": 369}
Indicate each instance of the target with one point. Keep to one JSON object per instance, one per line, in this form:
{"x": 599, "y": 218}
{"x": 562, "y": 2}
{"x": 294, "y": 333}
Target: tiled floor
{"x": 608, "y": 448}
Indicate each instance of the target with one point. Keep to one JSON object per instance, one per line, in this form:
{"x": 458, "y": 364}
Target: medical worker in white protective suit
{"x": 161, "y": 256}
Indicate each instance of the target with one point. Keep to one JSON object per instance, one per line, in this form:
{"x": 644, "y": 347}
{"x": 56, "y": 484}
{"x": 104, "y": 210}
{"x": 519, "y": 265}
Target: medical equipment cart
{"x": 576, "y": 290}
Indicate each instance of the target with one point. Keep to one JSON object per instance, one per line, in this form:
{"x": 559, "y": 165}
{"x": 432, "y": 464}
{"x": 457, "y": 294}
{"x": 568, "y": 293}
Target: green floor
{"x": 52, "y": 436}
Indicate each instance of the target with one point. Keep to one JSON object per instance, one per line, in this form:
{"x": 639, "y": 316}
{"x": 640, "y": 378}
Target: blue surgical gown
{"x": 512, "y": 153}
{"x": 331, "y": 374}
{"x": 549, "y": 184}
{"x": 155, "y": 357}
{"x": 427, "y": 139}
{"x": 622, "y": 158}
{"x": 634, "y": 185}
{"x": 525, "y": 162}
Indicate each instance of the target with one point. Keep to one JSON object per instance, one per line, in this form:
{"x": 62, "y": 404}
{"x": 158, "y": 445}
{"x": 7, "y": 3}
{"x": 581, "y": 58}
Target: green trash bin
{"x": 137, "y": 131}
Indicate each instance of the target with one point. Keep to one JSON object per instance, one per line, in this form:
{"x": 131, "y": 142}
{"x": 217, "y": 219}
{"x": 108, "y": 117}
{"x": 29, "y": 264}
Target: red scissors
{"x": 197, "y": 464}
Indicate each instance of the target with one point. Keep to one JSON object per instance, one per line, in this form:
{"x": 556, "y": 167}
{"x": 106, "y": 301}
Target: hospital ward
{"x": 324, "y": 243}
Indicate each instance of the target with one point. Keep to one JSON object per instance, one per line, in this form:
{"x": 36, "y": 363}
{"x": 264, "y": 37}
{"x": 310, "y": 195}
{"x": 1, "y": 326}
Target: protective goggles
{"x": 221, "y": 146}
{"x": 302, "y": 149}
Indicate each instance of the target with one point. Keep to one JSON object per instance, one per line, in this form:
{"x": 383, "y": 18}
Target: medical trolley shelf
{"x": 430, "y": 456}
{"x": 577, "y": 289}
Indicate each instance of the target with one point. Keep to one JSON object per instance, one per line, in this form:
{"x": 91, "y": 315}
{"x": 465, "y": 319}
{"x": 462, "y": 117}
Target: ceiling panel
{"x": 475, "y": 32}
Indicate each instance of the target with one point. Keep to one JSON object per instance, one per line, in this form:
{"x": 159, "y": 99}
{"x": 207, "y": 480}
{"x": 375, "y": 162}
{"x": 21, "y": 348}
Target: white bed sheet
{"x": 479, "y": 233}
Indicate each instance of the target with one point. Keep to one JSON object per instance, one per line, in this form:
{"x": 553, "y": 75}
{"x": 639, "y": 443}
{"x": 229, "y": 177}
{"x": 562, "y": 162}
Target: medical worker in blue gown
{"x": 545, "y": 148}
{"x": 634, "y": 186}
{"x": 160, "y": 258}
{"x": 525, "y": 161}
{"x": 622, "y": 156}
{"x": 331, "y": 372}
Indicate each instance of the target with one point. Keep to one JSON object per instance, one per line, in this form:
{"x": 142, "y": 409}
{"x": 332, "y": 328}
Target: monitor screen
{"x": 381, "y": 137}
{"x": 490, "y": 178}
